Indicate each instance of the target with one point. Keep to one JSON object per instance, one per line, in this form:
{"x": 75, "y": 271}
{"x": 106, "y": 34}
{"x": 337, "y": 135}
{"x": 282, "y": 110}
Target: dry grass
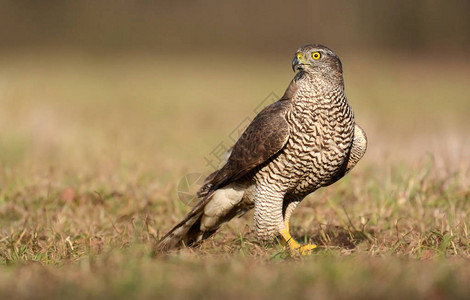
{"x": 92, "y": 150}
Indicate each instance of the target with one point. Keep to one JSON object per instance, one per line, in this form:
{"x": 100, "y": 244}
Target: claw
{"x": 294, "y": 245}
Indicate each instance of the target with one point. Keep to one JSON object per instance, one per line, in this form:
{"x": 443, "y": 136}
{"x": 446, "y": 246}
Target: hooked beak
{"x": 297, "y": 63}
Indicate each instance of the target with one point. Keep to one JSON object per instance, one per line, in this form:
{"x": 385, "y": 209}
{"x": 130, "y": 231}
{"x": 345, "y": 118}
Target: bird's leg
{"x": 271, "y": 217}
{"x": 288, "y": 239}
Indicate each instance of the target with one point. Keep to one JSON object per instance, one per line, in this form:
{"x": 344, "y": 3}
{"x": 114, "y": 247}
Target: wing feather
{"x": 264, "y": 137}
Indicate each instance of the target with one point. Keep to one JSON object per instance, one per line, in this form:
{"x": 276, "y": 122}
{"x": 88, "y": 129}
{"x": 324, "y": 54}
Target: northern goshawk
{"x": 304, "y": 141}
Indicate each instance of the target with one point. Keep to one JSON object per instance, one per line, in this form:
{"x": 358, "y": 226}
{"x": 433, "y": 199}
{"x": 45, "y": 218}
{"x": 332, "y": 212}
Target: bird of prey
{"x": 306, "y": 140}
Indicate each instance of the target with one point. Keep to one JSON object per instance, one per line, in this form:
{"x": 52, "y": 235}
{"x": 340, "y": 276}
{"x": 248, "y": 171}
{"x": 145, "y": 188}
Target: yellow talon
{"x": 294, "y": 245}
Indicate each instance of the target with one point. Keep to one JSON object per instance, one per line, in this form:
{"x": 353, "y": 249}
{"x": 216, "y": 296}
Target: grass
{"x": 93, "y": 151}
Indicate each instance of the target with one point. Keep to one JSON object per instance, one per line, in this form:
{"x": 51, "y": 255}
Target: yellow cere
{"x": 316, "y": 55}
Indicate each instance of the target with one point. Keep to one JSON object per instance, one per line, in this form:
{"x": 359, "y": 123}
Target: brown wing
{"x": 264, "y": 137}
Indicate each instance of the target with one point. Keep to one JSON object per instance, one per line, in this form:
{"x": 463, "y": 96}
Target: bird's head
{"x": 317, "y": 59}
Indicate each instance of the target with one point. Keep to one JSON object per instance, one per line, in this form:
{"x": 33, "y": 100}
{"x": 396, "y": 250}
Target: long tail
{"x": 187, "y": 231}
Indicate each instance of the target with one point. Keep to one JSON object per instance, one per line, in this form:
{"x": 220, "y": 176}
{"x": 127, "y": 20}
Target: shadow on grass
{"x": 337, "y": 236}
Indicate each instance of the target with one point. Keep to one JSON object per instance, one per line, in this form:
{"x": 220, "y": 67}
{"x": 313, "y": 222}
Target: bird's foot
{"x": 302, "y": 250}
{"x": 294, "y": 245}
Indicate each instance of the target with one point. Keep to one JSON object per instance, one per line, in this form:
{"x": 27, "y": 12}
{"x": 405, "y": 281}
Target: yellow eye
{"x": 316, "y": 55}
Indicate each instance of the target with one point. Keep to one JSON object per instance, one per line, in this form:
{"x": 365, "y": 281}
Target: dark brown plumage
{"x": 296, "y": 145}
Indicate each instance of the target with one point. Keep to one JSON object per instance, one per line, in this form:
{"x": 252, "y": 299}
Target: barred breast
{"x": 321, "y": 134}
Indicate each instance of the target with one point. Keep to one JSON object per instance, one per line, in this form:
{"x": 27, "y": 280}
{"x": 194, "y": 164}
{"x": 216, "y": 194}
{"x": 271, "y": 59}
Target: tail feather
{"x": 187, "y": 231}
{"x": 215, "y": 209}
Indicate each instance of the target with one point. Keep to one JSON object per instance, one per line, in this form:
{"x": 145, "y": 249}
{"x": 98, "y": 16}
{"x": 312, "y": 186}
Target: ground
{"x": 99, "y": 156}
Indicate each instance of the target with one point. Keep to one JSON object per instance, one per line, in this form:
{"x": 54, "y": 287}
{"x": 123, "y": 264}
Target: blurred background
{"x": 92, "y": 88}
{"x": 201, "y": 26}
